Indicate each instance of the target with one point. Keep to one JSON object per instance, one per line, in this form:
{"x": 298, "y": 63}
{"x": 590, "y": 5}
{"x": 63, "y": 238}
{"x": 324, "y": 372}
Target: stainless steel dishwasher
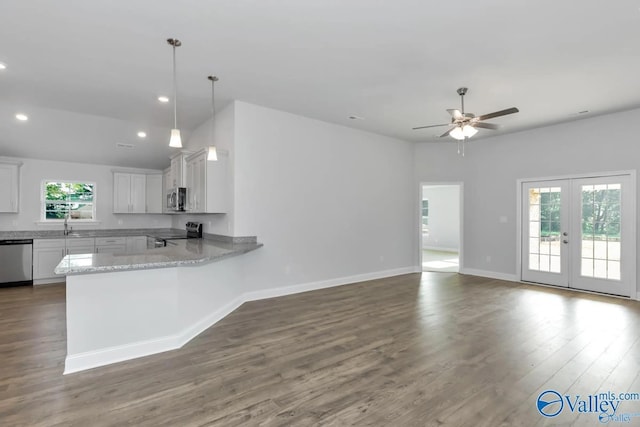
{"x": 16, "y": 262}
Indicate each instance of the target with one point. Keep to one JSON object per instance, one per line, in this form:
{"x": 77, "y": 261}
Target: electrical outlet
{"x": 488, "y": 259}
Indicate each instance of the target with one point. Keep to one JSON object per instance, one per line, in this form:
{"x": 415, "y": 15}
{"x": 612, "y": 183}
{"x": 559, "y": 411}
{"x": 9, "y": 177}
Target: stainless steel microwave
{"x": 177, "y": 199}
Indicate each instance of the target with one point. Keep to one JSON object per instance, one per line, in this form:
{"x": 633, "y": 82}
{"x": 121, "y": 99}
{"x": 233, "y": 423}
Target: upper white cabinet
{"x": 129, "y": 192}
{"x": 178, "y": 173}
{"x": 154, "y": 193}
{"x": 9, "y": 190}
{"x": 207, "y": 183}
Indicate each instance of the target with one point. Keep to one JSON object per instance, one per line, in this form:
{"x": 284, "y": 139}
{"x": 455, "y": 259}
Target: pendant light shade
{"x": 176, "y": 140}
{"x": 212, "y": 155}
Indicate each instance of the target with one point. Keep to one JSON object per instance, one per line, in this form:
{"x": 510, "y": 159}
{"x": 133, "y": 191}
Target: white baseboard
{"x": 107, "y": 356}
{"x": 205, "y": 323}
{"x": 93, "y": 359}
{"x": 490, "y": 274}
{"x": 305, "y": 287}
{"x": 37, "y": 282}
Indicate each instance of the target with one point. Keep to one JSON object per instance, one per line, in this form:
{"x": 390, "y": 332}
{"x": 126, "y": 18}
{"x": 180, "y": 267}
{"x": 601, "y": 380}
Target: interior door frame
{"x": 632, "y": 187}
{"x": 460, "y": 185}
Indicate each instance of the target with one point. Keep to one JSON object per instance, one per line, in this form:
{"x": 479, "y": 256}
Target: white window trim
{"x": 44, "y": 221}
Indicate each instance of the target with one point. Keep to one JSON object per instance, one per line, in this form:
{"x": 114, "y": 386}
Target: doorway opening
{"x": 440, "y": 227}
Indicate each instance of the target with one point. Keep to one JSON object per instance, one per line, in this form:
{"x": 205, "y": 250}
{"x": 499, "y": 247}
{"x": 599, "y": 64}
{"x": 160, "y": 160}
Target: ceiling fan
{"x": 465, "y": 125}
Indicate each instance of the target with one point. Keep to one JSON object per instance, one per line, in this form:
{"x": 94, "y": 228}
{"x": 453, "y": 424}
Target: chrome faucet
{"x": 66, "y": 226}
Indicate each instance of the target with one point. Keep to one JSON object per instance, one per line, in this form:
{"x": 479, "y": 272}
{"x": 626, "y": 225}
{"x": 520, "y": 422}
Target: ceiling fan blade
{"x": 431, "y": 126}
{"x": 498, "y": 113}
{"x": 486, "y": 126}
{"x": 448, "y": 132}
{"x": 456, "y": 114}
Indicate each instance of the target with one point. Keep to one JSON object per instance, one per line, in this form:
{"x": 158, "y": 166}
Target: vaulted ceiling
{"x": 88, "y": 73}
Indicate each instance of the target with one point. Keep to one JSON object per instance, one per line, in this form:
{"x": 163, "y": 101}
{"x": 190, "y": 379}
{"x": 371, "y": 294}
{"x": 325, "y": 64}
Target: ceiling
{"x": 88, "y": 73}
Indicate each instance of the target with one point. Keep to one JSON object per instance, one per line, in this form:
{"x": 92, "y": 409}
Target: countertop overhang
{"x": 182, "y": 252}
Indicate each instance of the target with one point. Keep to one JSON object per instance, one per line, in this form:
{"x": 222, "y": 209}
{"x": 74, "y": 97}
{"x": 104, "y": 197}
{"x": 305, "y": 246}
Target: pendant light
{"x": 175, "y": 140}
{"x": 213, "y": 153}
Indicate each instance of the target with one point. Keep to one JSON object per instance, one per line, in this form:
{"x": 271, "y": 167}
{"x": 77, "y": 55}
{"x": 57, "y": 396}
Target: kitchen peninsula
{"x": 121, "y": 307}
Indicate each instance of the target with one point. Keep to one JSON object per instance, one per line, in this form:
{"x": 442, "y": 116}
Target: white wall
{"x": 492, "y": 166}
{"x": 444, "y": 217}
{"x": 326, "y": 200}
{"x": 33, "y": 172}
{"x": 223, "y": 139}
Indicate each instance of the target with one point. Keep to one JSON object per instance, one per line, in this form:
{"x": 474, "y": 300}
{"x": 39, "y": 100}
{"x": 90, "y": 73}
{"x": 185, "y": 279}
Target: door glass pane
{"x": 544, "y": 229}
{"x": 600, "y": 249}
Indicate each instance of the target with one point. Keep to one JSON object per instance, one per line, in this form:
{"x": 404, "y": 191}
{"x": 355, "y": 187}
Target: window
{"x": 72, "y": 200}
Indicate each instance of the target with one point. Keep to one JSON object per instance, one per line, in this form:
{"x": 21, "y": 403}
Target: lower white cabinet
{"x": 136, "y": 244}
{"x": 47, "y": 254}
{"x": 110, "y": 245}
{"x": 80, "y": 246}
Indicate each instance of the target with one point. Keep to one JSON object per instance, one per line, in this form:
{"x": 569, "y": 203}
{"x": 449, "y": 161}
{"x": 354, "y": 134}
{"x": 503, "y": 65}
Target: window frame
{"x": 44, "y": 201}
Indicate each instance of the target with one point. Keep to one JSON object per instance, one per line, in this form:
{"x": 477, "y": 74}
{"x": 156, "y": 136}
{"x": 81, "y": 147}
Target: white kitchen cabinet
{"x": 47, "y": 254}
{"x": 154, "y": 193}
{"x": 110, "y": 245}
{"x": 207, "y": 183}
{"x": 9, "y": 190}
{"x": 129, "y": 192}
{"x": 136, "y": 244}
{"x": 84, "y": 245}
{"x": 178, "y": 173}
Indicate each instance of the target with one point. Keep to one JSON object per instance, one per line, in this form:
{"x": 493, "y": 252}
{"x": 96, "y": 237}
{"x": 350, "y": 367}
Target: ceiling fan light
{"x": 175, "y": 141}
{"x": 457, "y": 133}
{"x": 469, "y": 131}
{"x": 212, "y": 155}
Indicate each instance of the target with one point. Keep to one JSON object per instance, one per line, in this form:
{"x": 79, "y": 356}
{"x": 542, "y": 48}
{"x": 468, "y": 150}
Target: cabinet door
{"x": 45, "y": 260}
{"x": 138, "y": 199}
{"x": 190, "y": 185}
{"x": 201, "y": 183}
{"x": 136, "y": 244}
{"x": 9, "y": 187}
{"x": 154, "y": 193}
{"x": 111, "y": 249}
{"x": 121, "y": 192}
{"x": 80, "y": 246}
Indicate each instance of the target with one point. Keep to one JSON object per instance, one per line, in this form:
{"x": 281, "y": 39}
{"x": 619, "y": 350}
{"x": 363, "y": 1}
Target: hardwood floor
{"x": 413, "y": 350}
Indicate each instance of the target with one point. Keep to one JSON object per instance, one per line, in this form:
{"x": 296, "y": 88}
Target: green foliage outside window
{"x": 68, "y": 200}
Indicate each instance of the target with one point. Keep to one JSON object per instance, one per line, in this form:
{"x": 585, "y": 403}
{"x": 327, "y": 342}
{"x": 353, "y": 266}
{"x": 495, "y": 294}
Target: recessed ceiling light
{"x": 22, "y": 117}
{"x": 3, "y": 66}
{"x": 163, "y": 99}
{"x": 142, "y": 134}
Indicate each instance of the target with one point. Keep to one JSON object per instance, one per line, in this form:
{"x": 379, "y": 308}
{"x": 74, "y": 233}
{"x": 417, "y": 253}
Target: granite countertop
{"x": 180, "y": 253}
{"x": 59, "y": 234}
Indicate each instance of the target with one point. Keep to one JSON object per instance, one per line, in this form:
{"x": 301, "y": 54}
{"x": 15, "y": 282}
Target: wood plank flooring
{"x": 427, "y": 349}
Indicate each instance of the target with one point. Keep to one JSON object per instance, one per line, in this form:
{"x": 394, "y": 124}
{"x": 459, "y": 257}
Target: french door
{"x": 580, "y": 233}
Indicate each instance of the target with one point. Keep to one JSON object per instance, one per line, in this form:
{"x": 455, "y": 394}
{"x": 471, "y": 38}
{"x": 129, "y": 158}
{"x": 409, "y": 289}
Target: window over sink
{"x": 72, "y": 200}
